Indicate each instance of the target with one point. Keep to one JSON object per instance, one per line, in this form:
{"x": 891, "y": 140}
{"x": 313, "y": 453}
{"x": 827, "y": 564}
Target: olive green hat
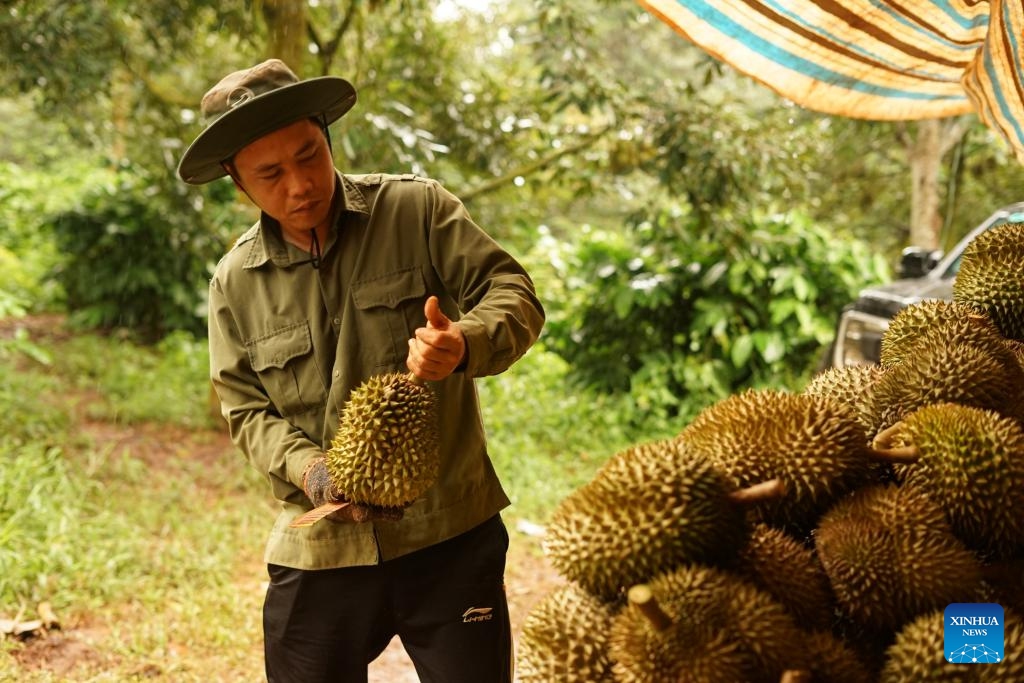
{"x": 248, "y": 104}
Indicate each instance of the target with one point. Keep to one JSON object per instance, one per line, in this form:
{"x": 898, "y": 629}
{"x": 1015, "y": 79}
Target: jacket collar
{"x": 269, "y": 245}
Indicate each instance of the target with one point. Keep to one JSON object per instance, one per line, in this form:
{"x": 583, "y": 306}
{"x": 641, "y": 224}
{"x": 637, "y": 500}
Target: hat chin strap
{"x": 325, "y": 127}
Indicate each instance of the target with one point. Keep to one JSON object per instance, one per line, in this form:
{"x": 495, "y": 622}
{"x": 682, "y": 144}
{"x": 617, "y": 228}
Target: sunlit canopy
{"x": 872, "y": 59}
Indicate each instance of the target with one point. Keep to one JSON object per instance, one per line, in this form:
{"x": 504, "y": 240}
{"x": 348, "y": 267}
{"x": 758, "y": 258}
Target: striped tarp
{"x": 872, "y": 59}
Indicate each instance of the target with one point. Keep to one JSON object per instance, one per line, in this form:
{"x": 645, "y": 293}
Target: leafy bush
{"x": 679, "y": 317}
{"x": 138, "y": 256}
{"x": 27, "y": 251}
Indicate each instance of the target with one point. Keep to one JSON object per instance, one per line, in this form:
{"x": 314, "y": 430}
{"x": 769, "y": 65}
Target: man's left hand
{"x": 437, "y": 349}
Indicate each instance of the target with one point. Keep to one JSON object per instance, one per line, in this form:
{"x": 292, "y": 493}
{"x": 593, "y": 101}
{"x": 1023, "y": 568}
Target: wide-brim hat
{"x": 246, "y": 105}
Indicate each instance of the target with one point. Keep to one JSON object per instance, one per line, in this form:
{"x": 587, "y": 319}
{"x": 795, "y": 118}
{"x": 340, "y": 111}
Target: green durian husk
{"x": 386, "y": 451}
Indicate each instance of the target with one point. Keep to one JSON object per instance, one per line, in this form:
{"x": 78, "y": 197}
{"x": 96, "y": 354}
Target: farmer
{"x": 345, "y": 277}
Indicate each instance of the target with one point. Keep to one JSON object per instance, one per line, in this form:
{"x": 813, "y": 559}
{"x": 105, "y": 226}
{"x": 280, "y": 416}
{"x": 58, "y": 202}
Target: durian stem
{"x": 772, "y": 489}
{"x": 643, "y": 598}
{"x": 883, "y": 450}
{"x": 418, "y": 381}
{"x": 796, "y": 676}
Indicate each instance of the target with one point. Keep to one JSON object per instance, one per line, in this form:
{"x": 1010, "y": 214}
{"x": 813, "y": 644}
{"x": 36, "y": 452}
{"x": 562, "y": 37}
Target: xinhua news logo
{"x": 974, "y": 633}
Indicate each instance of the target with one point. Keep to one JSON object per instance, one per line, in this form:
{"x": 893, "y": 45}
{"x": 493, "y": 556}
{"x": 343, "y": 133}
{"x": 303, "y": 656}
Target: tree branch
{"x": 532, "y": 167}
{"x": 952, "y": 130}
{"x": 328, "y": 50}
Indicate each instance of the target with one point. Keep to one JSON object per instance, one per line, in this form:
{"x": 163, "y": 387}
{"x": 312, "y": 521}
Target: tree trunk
{"x": 935, "y": 137}
{"x": 287, "y": 37}
{"x": 121, "y": 106}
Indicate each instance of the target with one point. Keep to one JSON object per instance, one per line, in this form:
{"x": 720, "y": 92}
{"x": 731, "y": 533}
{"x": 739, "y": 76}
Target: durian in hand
{"x": 564, "y": 639}
{"x": 386, "y": 451}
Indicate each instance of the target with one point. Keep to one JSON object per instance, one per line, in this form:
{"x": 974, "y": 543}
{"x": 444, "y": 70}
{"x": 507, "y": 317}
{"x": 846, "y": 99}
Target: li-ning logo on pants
{"x": 973, "y": 633}
{"x": 477, "y": 614}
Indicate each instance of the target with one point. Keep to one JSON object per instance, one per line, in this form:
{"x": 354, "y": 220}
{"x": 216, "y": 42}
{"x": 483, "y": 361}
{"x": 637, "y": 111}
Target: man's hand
{"x": 316, "y": 482}
{"x": 437, "y": 349}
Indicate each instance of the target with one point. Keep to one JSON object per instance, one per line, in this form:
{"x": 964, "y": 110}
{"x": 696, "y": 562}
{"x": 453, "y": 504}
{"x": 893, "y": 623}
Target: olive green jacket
{"x": 289, "y": 342}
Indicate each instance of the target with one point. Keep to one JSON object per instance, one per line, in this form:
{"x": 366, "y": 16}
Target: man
{"x": 345, "y": 277}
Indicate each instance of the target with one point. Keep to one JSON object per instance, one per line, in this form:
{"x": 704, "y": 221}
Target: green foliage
{"x": 84, "y": 523}
{"x": 165, "y": 382}
{"x": 547, "y": 438}
{"x": 680, "y": 317}
{"x": 40, "y": 505}
{"x": 136, "y": 256}
{"x": 84, "y": 528}
{"x": 28, "y": 194}
{"x": 27, "y": 413}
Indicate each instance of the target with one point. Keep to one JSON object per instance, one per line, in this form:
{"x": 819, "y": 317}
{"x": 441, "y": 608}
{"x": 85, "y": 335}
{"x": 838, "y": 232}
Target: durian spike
{"x": 773, "y": 489}
{"x": 642, "y": 597}
{"x": 796, "y": 676}
{"x": 882, "y": 449}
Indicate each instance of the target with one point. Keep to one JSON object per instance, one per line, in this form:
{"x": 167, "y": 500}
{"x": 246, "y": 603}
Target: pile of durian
{"x": 814, "y": 536}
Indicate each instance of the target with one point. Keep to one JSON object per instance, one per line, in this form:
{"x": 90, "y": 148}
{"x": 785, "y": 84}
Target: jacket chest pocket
{"x": 390, "y": 309}
{"x": 287, "y": 368}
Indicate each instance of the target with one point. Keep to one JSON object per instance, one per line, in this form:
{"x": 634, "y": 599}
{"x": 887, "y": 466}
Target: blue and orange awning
{"x": 871, "y": 59}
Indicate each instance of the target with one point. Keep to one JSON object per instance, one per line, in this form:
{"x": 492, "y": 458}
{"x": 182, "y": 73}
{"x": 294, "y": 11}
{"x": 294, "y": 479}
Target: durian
{"x": 788, "y": 570}
{"x": 991, "y": 277}
{"x": 831, "y": 660}
{"x": 564, "y": 639}
{"x": 386, "y": 450}
{"x": 701, "y": 625}
{"x": 890, "y": 556}
{"x": 948, "y": 371}
{"x": 940, "y": 321}
{"x": 971, "y": 462}
{"x": 850, "y": 385}
{"x": 647, "y": 509}
{"x": 918, "y": 655}
{"x": 814, "y": 445}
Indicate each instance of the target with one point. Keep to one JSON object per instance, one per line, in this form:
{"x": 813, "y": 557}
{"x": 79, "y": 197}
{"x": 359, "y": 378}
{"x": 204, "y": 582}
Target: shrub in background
{"x": 136, "y": 254}
{"x": 680, "y": 317}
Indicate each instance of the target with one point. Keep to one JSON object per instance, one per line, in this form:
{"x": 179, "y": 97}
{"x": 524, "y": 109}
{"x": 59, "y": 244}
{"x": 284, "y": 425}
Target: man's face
{"x": 290, "y": 175}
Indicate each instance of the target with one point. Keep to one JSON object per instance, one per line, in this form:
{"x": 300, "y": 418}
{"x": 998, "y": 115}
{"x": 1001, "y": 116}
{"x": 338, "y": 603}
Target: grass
{"x": 547, "y": 438}
{"x": 123, "y": 507}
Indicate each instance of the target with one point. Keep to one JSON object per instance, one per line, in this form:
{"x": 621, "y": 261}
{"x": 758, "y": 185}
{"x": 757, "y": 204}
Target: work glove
{"x": 320, "y": 490}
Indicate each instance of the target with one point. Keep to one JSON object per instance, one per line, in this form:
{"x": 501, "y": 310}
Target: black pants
{"x": 447, "y": 604}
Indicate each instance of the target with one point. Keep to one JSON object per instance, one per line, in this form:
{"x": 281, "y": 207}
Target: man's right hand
{"x": 319, "y": 488}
